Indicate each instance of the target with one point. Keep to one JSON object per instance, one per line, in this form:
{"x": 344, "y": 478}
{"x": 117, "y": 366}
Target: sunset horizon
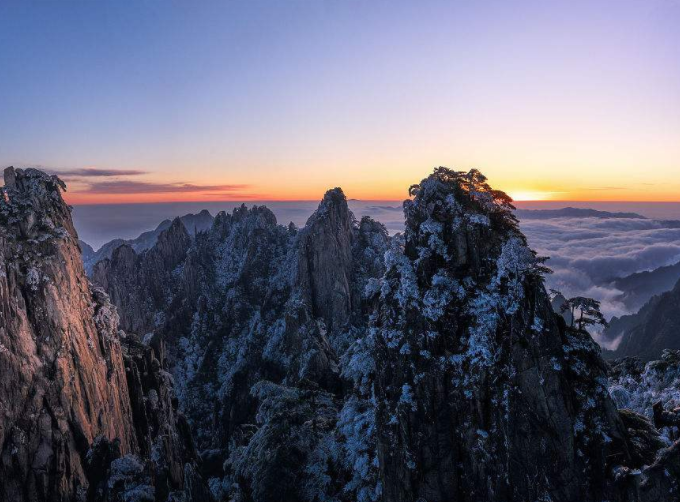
{"x": 84, "y": 187}
{"x": 573, "y": 101}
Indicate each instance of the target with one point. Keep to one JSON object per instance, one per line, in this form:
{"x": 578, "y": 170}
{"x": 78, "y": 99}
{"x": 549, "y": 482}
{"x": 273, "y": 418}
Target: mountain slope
{"x": 637, "y": 289}
{"x": 76, "y": 422}
{"x": 654, "y": 328}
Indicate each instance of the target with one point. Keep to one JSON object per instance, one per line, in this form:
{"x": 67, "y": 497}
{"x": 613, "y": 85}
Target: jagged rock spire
{"x": 325, "y": 264}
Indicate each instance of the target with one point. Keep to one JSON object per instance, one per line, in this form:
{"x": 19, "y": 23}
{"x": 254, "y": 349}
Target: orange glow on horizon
{"x": 356, "y": 192}
{"x": 527, "y": 196}
{"x": 379, "y": 183}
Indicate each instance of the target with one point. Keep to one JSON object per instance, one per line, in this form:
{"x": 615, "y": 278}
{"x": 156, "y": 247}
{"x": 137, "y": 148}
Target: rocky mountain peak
{"x": 173, "y": 243}
{"x": 461, "y": 306}
{"x": 31, "y": 202}
{"x": 325, "y": 259}
{"x": 458, "y": 219}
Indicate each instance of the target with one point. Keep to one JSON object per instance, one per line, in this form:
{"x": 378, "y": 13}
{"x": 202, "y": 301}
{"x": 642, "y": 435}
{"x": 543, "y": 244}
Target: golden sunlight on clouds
{"x": 522, "y": 196}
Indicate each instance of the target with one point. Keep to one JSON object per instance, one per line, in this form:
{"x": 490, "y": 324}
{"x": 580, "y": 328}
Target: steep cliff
{"x": 66, "y": 383}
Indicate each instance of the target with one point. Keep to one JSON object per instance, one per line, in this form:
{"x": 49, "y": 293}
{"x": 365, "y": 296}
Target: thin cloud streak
{"x": 144, "y": 187}
{"x": 93, "y": 172}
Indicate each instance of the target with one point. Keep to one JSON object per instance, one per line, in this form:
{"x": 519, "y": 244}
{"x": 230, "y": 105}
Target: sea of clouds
{"x": 586, "y": 254}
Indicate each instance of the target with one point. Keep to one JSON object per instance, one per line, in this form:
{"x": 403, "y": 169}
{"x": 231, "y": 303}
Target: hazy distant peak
{"x": 571, "y": 212}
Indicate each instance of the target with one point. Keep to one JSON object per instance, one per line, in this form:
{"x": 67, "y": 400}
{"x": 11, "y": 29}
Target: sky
{"x": 159, "y": 101}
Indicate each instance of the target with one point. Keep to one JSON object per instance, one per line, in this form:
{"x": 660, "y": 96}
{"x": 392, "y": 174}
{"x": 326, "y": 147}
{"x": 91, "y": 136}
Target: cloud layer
{"x": 586, "y": 254}
{"x": 93, "y": 172}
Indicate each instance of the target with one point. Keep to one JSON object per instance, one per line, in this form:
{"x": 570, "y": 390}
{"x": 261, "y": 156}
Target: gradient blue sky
{"x": 572, "y": 100}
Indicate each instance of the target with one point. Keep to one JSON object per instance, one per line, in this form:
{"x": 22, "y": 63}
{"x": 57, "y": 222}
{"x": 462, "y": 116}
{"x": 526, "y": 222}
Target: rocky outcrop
{"x": 640, "y": 386}
{"x": 476, "y": 378}
{"x": 140, "y": 284}
{"x": 66, "y": 382}
{"x": 471, "y": 359}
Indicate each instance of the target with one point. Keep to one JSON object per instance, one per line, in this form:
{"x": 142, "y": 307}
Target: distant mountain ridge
{"x": 193, "y": 223}
{"x": 637, "y": 289}
{"x": 572, "y": 212}
{"x": 654, "y": 328}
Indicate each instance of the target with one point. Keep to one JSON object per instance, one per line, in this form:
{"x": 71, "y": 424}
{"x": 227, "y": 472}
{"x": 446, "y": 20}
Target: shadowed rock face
{"x": 138, "y": 284}
{"x": 483, "y": 392}
{"x": 654, "y": 328}
{"x": 325, "y": 260}
{"x": 66, "y": 382}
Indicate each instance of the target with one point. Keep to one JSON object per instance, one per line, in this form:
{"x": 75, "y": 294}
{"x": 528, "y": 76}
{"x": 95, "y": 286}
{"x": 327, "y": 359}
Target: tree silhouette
{"x": 584, "y": 312}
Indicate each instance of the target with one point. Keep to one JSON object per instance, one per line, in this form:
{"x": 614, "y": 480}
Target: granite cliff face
{"x": 68, "y": 384}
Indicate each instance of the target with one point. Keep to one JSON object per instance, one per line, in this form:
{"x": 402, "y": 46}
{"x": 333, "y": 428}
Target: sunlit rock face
{"x": 67, "y": 384}
{"x": 335, "y": 363}
{"x": 63, "y": 379}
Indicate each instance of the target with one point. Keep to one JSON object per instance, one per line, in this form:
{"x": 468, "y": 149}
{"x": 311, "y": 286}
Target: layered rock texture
{"x": 70, "y": 389}
{"x": 332, "y": 362}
